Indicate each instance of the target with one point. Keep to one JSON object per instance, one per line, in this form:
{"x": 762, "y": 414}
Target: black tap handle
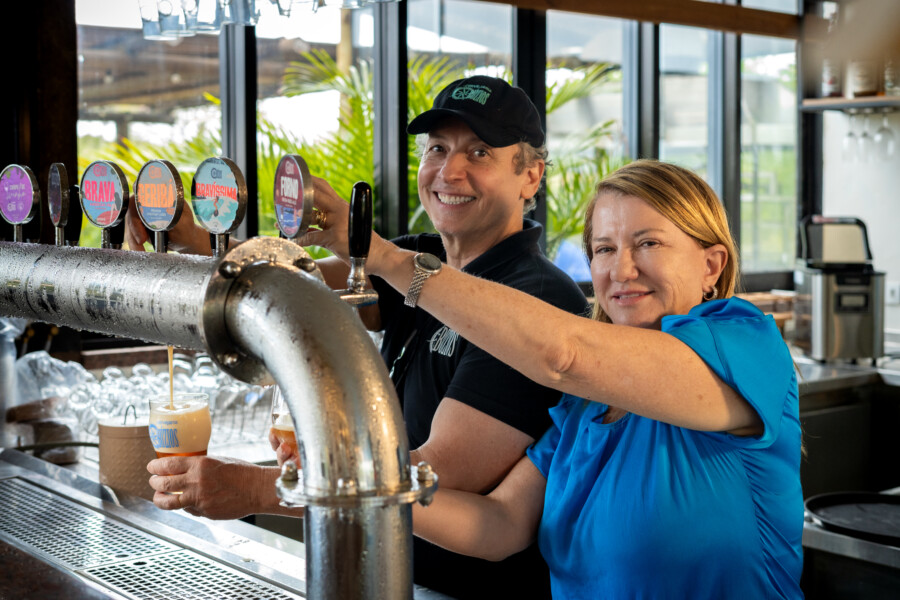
{"x": 117, "y": 234}
{"x": 359, "y": 227}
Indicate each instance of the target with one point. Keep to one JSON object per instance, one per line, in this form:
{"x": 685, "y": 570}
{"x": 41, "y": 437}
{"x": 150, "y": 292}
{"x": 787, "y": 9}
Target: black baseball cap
{"x": 500, "y": 114}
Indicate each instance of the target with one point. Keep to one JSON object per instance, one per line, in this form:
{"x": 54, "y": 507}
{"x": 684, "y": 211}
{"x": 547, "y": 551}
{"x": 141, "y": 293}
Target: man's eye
{"x": 649, "y": 243}
{"x": 480, "y": 152}
{"x": 602, "y": 250}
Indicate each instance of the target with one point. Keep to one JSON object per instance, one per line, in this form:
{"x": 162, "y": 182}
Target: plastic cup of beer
{"x": 282, "y": 423}
{"x": 180, "y": 426}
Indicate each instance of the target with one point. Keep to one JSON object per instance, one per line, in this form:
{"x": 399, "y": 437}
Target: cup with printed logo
{"x": 282, "y": 424}
{"x": 180, "y": 425}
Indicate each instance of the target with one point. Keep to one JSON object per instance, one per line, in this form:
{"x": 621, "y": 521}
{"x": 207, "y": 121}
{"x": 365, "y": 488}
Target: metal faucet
{"x": 263, "y": 315}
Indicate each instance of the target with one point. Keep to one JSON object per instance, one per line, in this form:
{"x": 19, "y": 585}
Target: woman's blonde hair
{"x": 683, "y": 198}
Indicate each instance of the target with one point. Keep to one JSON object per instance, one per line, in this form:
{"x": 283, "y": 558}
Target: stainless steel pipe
{"x": 139, "y": 295}
{"x": 260, "y": 308}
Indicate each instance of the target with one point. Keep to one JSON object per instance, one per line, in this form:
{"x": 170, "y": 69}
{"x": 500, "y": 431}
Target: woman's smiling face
{"x": 643, "y": 266}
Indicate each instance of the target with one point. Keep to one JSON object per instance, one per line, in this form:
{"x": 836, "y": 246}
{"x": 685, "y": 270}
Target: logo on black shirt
{"x": 443, "y": 341}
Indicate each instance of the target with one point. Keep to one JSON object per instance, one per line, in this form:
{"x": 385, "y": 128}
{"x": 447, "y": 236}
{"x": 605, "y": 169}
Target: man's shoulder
{"x": 534, "y": 274}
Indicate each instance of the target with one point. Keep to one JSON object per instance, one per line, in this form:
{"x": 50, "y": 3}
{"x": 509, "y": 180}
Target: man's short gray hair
{"x": 526, "y": 157}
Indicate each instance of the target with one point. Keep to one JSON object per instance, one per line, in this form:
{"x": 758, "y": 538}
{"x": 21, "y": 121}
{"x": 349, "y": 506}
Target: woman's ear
{"x": 716, "y": 259}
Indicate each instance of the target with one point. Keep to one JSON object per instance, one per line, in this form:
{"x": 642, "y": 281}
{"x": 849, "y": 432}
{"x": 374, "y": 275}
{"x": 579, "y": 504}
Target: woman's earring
{"x": 712, "y": 295}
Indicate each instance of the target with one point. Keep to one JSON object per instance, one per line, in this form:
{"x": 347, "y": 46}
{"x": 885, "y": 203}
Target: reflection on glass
{"x": 447, "y": 40}
{"x": 315, "y": 97}
{"x": 585, "y": 134}
{"x": 683, "y": 89}
{"x": 768, "y": 153}
{"x": 142, "y": 97}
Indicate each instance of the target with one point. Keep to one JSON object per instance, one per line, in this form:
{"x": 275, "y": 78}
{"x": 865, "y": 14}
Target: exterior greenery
{"x": 346, "y": 155}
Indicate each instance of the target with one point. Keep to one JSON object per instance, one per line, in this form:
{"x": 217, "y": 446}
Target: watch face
{"x": 428, "y": 261}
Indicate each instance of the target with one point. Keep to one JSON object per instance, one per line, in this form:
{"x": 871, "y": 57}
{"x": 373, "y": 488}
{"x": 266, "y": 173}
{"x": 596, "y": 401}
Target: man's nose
{"x": 454, "y": 166}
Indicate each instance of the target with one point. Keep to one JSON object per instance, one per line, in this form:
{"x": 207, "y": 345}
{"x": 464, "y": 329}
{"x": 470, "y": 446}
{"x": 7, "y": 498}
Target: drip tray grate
{"x": 67, "y": 533}
{"x": 123, "y": 558}
{"x": 181, "y": 574}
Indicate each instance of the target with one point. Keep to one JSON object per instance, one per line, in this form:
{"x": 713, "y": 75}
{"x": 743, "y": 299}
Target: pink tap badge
{"x": 293, "y": 196}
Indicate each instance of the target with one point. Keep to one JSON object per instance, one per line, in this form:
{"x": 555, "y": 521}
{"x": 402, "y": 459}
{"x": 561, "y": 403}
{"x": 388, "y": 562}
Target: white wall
{"x": 869, "y": 191}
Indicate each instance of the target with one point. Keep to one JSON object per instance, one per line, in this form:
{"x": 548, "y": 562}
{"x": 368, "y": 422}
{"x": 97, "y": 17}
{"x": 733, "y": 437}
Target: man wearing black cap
{"x": 467, "y": 414}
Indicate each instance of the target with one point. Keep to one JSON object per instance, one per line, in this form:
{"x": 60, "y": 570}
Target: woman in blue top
{"x": 672, "y": 468}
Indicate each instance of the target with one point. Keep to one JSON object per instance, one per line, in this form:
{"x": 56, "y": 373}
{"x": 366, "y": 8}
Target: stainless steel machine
{"x": 839, "y": 307}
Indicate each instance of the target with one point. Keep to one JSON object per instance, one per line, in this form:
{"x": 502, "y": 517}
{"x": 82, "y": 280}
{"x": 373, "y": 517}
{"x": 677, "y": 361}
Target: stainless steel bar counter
{"x": 96, "y": 544}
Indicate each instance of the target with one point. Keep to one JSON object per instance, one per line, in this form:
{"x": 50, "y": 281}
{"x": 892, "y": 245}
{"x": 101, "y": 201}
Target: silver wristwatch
{"x": 425, "y": 266}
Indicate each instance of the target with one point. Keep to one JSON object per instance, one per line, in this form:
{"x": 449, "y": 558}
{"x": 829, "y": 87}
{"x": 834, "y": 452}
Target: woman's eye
{"x": 649, "y": 243}
{"x": 602, "y": 250}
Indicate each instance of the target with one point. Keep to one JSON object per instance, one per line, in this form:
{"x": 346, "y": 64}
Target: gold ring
{"x": 320, "y": 219}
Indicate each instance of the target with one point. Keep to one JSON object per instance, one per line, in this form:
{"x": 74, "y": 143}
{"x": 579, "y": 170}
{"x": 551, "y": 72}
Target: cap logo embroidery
{"x": 443, "y": 341}
{"x": 477, "y": 93}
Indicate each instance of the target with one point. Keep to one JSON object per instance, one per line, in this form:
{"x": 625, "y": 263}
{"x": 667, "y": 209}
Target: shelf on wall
{"x": 851, "y": 104}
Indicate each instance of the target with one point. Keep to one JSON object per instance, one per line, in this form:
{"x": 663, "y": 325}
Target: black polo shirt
{"x": 429, "y": 362}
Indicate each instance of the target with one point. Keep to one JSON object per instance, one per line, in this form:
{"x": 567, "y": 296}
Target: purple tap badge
{"x": 219, "y": 195}
{"x": 102, "y": 193}
{"x": 158, "y": 195}
{"x": 292, "y": 189}
{"x": 17, "y": 194}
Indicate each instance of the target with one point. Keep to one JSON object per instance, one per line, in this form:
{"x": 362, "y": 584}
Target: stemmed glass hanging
{"x": 885, "y": 142}
{"x": 849, "y": 145}
{"x": 865, "y": 140}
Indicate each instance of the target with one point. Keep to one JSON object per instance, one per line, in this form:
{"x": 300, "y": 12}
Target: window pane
{"x": 585, "y": 131}
{"x": 447, "y": 40}
{"x": 139, "y": 97}
{"x": 782, "y": 6}
{"x": 315, "y": 96}
{"x": 684, "y": 104}
{"x": 768, "y": 153}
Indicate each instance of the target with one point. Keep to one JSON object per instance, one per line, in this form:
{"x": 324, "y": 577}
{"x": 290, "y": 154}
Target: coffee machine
{"x": 839, "y": 306}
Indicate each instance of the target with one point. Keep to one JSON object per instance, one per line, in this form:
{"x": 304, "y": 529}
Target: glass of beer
{"x": 180, "y": 425}
{"x": 282, "y": 423}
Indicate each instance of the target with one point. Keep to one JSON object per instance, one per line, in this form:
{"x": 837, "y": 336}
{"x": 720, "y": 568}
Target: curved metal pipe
{"x": 352, "y": 439}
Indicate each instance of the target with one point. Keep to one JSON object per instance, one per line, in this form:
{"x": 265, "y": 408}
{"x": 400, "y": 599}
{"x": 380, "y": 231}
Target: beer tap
{"x": 359, "y": 233}
{"x": 20, "y": 197}
{"x": 104, "y": 199}
{"x": 159, "y": 195}
{"x": 219, "y": 199}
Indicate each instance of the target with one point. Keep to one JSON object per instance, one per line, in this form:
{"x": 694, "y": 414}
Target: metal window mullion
{"x": 238, "y": 91}
{"x": 730, "y": 139}
{"x": 390, "y": 109}
{"x": 529, "y": 60}
{"x": 647, "y": 91}
{"x": 715, "y": 92}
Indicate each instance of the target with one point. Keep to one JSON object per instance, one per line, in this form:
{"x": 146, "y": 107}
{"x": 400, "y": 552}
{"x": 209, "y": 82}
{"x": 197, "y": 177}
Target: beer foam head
{"x": 284, "y": 421}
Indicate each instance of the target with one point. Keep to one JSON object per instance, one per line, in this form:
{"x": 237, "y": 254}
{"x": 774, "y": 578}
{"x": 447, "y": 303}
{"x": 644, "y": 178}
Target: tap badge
{"x": 102, "y": 193}
{"x": 291, "y": 181}
{"x": 158, "y": 193}
{"x": 16, "y": 195}
{"x": 214, "y": 196}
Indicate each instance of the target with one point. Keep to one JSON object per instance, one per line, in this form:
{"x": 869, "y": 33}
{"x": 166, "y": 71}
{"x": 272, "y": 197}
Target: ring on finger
{"x": 320, "y": 218}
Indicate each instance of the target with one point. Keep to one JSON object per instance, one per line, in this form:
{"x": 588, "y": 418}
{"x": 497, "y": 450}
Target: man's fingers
{"x": 166, "y": 501}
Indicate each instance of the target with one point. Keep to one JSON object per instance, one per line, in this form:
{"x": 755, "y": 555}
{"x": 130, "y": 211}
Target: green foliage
{"x": 346, "y": 155}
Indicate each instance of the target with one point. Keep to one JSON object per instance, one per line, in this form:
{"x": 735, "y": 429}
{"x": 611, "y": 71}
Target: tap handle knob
{"x": 359, "y": 227}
